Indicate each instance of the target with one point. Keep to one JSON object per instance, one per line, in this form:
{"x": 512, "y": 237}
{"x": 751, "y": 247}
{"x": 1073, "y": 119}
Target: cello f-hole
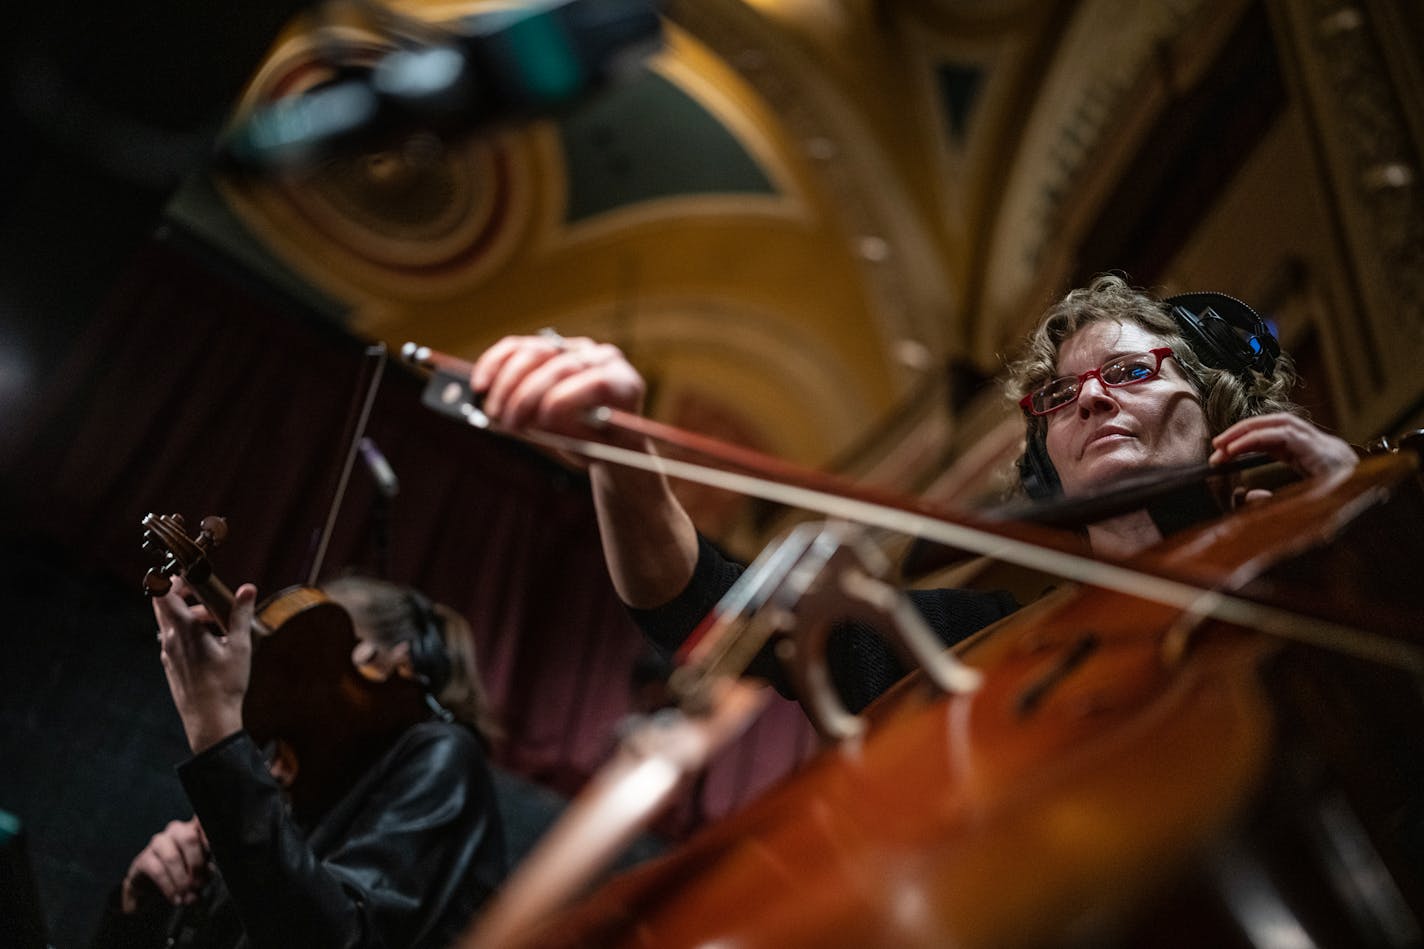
{"x": 1032, "y": 696}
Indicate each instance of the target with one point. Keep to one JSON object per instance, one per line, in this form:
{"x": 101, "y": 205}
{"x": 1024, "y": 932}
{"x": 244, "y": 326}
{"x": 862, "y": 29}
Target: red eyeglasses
{"x": 1117, "y": 372}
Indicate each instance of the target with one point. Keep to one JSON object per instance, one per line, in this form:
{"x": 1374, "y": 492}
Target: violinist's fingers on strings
{"x": 244, "y": 602}
{"x": 171, "y": 611}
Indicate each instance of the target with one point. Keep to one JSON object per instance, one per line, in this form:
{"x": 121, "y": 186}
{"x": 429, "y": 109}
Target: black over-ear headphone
{"x": 1036, "y": 472}
{"x": 428, "y": 656}
{"x": 1223, "y": 332}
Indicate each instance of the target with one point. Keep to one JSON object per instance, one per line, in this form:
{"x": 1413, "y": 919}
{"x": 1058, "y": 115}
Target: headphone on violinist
{"x": 429, "y": 659}
{"x": 1222, "y": 331}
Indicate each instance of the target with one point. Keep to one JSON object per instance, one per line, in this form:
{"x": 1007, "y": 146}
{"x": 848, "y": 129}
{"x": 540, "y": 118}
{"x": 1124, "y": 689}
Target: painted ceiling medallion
{"x": 424, "y": 207}
{"x": 426, "y": 212}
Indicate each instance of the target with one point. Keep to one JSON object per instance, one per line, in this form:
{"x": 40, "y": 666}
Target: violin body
{"x": 306, "y": 692}
{"x": 1127, "y": 774}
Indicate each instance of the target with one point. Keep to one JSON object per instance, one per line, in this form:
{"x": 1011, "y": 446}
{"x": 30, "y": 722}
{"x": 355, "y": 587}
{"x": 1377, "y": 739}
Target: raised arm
{"x": 550, "y": 383}
{"x": 207, "y": 674}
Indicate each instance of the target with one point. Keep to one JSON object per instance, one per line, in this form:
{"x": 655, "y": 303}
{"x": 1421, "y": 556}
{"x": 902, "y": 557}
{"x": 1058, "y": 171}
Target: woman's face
{"x": 378, "y": 662}
{"x": 1109, "y": 433}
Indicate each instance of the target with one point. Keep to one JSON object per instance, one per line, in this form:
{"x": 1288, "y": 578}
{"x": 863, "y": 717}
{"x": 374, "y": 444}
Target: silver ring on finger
{"x": 553, "y": 336}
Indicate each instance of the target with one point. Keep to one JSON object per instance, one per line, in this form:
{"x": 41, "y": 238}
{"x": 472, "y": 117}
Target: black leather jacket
{"x": 402, "y": 860}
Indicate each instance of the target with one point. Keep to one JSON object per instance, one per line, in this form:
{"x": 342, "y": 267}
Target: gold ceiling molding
{"x": 881, "y": 221}
{"x": 1091, "y": 108}
{"x": 1356, "y": 69}
{"x": 707, "y": 80}
{"x": 743, "y": 354}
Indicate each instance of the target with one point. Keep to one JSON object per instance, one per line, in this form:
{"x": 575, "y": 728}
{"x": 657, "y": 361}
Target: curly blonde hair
{"x": 1225, "y": 397}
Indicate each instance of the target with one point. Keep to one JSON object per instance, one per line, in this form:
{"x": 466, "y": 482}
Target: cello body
{"x": 1128, "y": 774}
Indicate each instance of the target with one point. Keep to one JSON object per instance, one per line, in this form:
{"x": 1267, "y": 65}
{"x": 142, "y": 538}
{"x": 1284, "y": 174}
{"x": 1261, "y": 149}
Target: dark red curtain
{"x": 199, "y": 393}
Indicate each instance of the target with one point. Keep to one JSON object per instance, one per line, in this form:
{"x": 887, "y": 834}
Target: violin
{"x": 304, "y": 689}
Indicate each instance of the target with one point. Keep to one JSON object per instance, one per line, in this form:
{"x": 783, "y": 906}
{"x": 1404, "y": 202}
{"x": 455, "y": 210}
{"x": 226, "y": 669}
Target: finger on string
{"x": 170, "y": 610}
{"x": 1271, "y": 441}
{"x": 1261, "y": 438}
{"x": 243, "y": 605}
{"x": 1246, "y": 425}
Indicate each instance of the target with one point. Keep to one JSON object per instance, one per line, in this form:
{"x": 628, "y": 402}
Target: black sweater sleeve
{"x": 863, "y": 665}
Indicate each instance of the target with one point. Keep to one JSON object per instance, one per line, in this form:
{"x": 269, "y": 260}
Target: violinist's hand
{"x": 1288, "y": 439}
{"x": 207, "y": 674}
{"x": 173, "y": 866}
{"x": 550, "y": 382}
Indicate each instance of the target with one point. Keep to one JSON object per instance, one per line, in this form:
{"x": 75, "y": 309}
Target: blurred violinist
{"x": 339, "y": 828}
{"x": 1115, "y": 382}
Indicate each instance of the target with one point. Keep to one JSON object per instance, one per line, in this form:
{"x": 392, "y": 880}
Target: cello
{"x": 1127, "y": 774}
{"x": 1142, "y": 764}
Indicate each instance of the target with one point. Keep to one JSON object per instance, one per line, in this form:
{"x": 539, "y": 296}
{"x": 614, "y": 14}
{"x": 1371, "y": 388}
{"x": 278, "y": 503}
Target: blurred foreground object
{"x": 481, "y": 70}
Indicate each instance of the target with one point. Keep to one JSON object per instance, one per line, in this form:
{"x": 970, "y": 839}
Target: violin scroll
{"x": 165, "y": 537}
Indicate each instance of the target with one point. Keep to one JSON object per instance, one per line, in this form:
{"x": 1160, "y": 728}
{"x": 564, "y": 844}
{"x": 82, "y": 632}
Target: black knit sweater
{"x": 863, "y": 665}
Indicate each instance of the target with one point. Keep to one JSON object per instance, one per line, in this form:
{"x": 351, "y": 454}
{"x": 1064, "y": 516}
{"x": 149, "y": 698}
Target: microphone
{"x": 493, "y": 67}
{"x": 381, "y": 471}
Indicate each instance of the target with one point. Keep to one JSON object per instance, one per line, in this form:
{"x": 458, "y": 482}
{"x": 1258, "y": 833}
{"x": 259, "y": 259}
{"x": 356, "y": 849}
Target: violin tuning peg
{"x": 155, "y": 583}
{"x": 214, "y": 528}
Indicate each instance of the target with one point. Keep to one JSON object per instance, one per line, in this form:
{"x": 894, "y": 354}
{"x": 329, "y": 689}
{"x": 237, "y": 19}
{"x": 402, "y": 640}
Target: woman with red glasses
{"x": 1115, "y": 381}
